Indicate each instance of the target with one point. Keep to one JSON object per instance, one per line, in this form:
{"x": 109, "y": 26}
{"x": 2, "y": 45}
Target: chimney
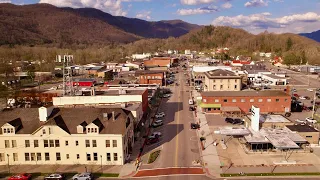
{"x": 44, "y": 113}
{"x": 113, "y": 116}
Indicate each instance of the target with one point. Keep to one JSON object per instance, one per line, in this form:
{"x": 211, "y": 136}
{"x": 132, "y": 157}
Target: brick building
{"x": 242, "y": 101}
{"x": 151, "y": 77}
{"x": 158, "y": 61}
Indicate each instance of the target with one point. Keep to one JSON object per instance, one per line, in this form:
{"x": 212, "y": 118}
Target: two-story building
{"x": 151, "y": 77}
{"x": 66, "y": 136}
{"x": 271, "y": 101}
{"x": 158, "y": 62}
{"x": 222, "y": 80}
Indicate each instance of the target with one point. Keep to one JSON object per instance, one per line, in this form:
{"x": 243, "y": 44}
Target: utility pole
{"x": 314, "y": 103}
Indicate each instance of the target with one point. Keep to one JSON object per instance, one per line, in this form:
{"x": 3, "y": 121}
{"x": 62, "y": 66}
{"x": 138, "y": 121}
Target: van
{"x": 190, "y": 102}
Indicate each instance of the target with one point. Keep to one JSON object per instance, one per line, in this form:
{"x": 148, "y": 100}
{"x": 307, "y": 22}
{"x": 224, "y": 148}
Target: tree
{"x": 289, "y": 44}
{"x": 291, "y": 59}
{"x": 303, "y": 57}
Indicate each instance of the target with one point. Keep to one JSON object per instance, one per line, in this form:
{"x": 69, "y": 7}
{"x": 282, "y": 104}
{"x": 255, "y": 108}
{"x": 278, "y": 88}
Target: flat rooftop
{"x": 124, "y": 92}
{"x": 274, "y": 76}
{"x": 276, "y": 93}
{"x": 234, "y": 131}
{"x": 266, "y": 118}
{"x": 282, "y": 138}
{"x": 301, "y": 128}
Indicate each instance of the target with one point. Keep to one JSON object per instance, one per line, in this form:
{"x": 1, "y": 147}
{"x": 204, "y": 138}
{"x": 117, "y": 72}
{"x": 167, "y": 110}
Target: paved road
{"x": 179, "y": 143}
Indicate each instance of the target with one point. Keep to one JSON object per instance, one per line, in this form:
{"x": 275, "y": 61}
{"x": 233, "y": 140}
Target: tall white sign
{"x": 255, "y": 118}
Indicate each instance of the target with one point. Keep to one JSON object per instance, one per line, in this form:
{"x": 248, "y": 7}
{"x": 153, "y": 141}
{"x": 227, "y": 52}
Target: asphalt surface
{"x": 179, "y": 143}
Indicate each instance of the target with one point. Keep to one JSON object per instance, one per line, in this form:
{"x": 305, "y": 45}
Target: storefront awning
{"x": 230, "y": 109}
{"x": 203, "y": 105}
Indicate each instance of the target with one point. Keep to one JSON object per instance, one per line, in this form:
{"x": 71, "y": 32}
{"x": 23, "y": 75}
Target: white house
{"x": 141, "y": 56}
{"x": 66, "y": 136}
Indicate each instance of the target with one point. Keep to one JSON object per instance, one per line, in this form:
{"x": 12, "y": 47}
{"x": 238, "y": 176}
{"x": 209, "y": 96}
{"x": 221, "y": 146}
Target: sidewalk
{"x": 209, "y": 154}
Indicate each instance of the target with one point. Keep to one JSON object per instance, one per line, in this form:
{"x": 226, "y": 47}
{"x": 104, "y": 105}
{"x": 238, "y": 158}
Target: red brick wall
{"x": 157, "y": 62}
{"x": 143, "y": 79}
{"x": 145, "y": 101}
{"x": 265, "y": 107}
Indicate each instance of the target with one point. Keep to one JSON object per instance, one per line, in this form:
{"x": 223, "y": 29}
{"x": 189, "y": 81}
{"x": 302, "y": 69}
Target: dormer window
{"x": 7, "y": 130}
{"x": 43, "y": 131}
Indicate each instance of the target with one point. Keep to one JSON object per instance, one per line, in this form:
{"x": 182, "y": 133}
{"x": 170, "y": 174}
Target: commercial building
{"x": 241, "y": 101}
{"x": 67, "y": 136}
{"x": 222, "y": 80}
{"x": 158, "y": 62}
{"x": 151, "y": 77}
{"x": 308, "y": 132}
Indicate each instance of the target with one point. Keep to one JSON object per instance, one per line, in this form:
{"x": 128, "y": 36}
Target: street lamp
{"x": 8, "y": 163}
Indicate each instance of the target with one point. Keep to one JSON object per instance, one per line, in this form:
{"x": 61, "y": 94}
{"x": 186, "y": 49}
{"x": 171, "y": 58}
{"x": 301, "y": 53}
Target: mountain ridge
{"x": 315, "y": 35}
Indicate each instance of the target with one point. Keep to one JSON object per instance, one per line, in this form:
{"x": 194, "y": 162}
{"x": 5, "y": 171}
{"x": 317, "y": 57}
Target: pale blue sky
{"x": 253, "y": 15}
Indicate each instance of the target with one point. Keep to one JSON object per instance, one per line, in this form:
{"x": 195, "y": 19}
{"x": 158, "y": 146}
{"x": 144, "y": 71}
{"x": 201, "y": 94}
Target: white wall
{"x": 60, "y": 101}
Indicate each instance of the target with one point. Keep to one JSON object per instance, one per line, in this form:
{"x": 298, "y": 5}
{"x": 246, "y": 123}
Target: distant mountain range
{"x": 313, "y": 35}
{"x": 47, "y": 24}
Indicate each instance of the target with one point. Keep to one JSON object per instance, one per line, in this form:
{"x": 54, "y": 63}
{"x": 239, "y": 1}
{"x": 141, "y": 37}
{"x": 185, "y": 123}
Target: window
{"x": 268, "y": 100}
{"x": 115, "y": 156}
{"x": 234, "y": 100}
{"x": 235, "y": 86}
{"x": 36, "y": 143}
{"x": 214, "y": 87}
{"x": 51, "y": 143}
{"x": 27, "y": 143}
{"x": 49, "y": 130}
{"x": 243, "y": 100}
{"x": 43, "y": 131}
{"x": 77, "y": 143}
{"x": 225, "y": 100}
{"x": 108, "y": 157}
{"x": 4, "y": 130}
{"x": 15, "y": 156}
{"x": 14, "y": 143}
{"x": 67, "y": 156}
{"x": 95, "y": 156}
{"x": 78, "y": 156}
{"x": 214, "y": 80}
{"x": 33, "y": 156}
{"x": 26, "y": 156}
{"x": 87, "y": 143}
{"x": 67, "y": 143}
{"x": 6, "y": 144}
{"x": 88, "y": 157}
{"x": 235, "y": 81}
{"x": 209, "y": 109}
{"x": 38, "y": 156}
{"x": 47, "y": 156}
{"x": 95, "y": 130}
{"x": 308, "y": 136}
{"x": 260, "y": 100}
{"x": 107, "y": 143}
{"x": 216, "y": 100}
{"x": 251, "y": 100}
{"x": 285, "y": 100}
{"x": 277, "y": 100}
{"x": 94, "y": 143}
{"x": 114, "y": 143}
{"x": 221, "y": 86}
{"x": 204, "y": 100}
{"x": 58, "y": 157}
{"x": 45, "y": 143}
{"x": 57, "y": 143}
{"x": 2, "y": 157}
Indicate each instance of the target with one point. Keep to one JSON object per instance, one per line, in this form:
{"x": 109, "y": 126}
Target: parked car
{"x": 55, "y": 177}
{"x": 302, "y": 98}
{"x": 152, "y": 140}
{"x": 160, "y": 115}
{"x": 238, "y": 121}
{"x": 83, "y": 176}
{"x": 195, "y": 126}
{"x": 310, "y": 90}
{"x": 155, "y": 134}
{"x": 296, "y": 95}
{"x": 311, "y": 120}
{"x": 294, "y": 90}
{"x": 23, "y": 176}
{"x": 157, "y": 124}
{"x": 300, "y": 121}
{"x": 229, "y": 120}
{"x": 166, "y": 95}
{"x": 191, "y": 108}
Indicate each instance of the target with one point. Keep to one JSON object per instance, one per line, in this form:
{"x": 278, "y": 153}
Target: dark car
{"x": 191, "y": 108}
{"x": 229, "y": 120}
{"x": 152, "y": 140}
{"x": 238, "y": 121}
{"x": 195, "y": 126}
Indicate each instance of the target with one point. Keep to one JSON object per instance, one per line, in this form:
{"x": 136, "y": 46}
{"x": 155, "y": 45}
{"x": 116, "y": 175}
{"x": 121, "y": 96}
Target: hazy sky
{"x": 253, "y": 15}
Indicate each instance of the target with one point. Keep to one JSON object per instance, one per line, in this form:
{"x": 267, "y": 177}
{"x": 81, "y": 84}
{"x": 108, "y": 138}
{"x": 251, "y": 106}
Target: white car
{"x": 300, "y": 121}
{"x": 166, "y": 95}
{"x": 160, "y": 115}
{"x": 311, "y": 120}
{"x": 302, "y": 97}
{"x": 155, "y": 134}
{"x": 310, "y": 90}
{"x": 82, "y": 176}
{"x": 158, "y": 121}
